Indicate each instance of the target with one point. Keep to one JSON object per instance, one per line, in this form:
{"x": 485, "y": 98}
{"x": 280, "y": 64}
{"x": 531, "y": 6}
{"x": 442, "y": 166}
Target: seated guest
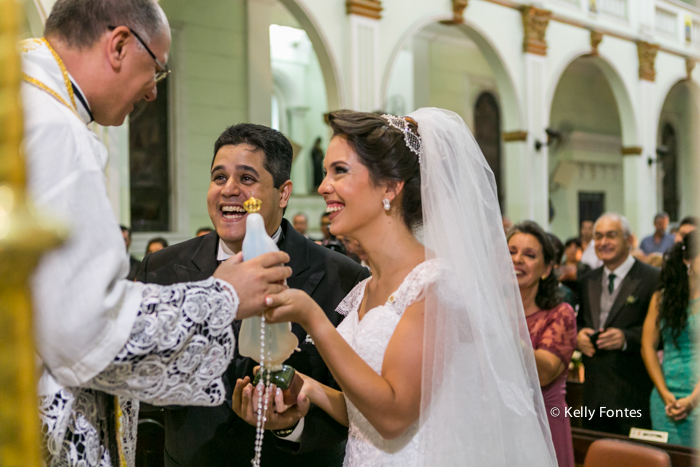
{"x": 687, "y": 225}
{"x": 329, "y": 240}
{"x": 133, "y": 262}
{"x": 637, "y": 252}
{"x": 354, "y": 250}
{"x": 552, "y": 326}
{"x": 660, "y": 241}
{"x": 326, "y": 228}
{"x": 588, "y": 255}
{"x": 614, "y": 300}
{"x": 573, "y": 251}
{"x": 203, "y": 231}
{"x": 156, "y": 244}
{"x": 566, "y": 293}
{"x": 572, "y": 268}
{"x": 673, "y": 319}
{"x": 300, "y": 223}
{"x": 655, "y": 259}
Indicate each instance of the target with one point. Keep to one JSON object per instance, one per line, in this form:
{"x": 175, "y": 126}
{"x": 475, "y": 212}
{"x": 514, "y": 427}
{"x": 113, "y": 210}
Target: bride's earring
{"x": 386, "y": 203}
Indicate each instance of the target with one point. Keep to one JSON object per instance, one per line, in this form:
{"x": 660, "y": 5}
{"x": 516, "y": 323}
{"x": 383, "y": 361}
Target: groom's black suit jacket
{"x": 216, "y": 436}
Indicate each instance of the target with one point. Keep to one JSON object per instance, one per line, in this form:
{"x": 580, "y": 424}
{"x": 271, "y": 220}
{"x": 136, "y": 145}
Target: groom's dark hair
{"x": 382, "y": 149}
{"x": 276, "y": 147}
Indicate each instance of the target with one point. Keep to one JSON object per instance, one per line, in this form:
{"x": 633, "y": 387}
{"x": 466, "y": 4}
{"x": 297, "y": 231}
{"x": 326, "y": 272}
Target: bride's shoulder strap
{"x": 414, "y": 286}
{"x": 352, "y": 300}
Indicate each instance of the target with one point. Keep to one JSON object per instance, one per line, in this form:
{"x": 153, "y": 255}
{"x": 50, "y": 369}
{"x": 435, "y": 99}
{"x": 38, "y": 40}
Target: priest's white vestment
{"x": 98, "y": 335}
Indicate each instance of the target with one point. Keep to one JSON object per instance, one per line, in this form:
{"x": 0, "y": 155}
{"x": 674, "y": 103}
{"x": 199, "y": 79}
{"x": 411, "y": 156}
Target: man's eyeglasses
{"x": 163, "y": 70}
{"x": 611, "y": 235}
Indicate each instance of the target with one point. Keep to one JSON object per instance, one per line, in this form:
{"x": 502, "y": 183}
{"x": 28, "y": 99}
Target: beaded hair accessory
{"x": 413, "y": 141}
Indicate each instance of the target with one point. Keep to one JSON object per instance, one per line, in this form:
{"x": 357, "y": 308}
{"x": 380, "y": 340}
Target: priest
{"x": 105, "y": 342}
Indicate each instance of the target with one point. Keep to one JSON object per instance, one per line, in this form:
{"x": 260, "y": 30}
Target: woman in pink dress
{"x": 552, "y": 326}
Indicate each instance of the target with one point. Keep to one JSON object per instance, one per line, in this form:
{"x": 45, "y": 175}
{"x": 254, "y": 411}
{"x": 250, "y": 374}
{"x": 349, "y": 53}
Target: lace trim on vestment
{"x": 180, "y": 345}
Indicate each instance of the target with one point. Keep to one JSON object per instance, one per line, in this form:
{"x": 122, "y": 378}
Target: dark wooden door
{"x": 669, "y": 176}
{"x": 590, "y": 206}
{"x": 487, "y": 132}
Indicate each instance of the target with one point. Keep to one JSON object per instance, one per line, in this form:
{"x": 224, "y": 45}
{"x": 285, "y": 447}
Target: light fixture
{"x": 661, "y": 152}
{"x": 552, "y": 136}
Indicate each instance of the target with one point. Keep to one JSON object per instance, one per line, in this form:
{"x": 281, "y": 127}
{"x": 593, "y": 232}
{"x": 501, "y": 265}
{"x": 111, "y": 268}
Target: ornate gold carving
{"x": 535, "y": 22}
{"x": 458, "y": 7}
{"x": 23, "y": 238}
{"x": 631, "y": 151}
{"x": 596, "y": 39}
{"x": 690, "y": 66}
{"x": 647, "y": 56}
{"x": 368, "y": 8}
{"x": 509, "y": 136}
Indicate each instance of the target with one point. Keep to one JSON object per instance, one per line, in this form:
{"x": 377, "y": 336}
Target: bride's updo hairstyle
{"x": 382, "y": 149}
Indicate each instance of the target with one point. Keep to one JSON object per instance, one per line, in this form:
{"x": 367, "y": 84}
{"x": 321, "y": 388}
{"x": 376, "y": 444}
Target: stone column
{"x": 364, "y": 68}
{"x": 260, "y": 80}
{"x": 534, "y": 167}
{"x": 641, "y": 187}
{"x": 301, "y": 176}
{"x": 516, "y": 175}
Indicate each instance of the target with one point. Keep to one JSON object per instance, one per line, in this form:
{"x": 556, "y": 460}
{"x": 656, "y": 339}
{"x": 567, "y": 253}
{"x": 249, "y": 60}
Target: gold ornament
{"x": 24, "y": 236}
{"x": 252, "y": 205}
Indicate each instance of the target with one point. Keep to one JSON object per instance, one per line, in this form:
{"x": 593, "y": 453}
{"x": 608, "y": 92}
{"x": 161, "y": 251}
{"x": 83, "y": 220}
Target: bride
{"x": 433, "y": 357}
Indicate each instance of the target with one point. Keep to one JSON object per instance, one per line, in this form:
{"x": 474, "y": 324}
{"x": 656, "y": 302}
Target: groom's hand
{"x": 279, "y": 416}
{"x": 254, "y": 279}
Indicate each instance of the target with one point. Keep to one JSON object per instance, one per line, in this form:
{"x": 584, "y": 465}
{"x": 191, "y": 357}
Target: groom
{"x": 255, "y": 160}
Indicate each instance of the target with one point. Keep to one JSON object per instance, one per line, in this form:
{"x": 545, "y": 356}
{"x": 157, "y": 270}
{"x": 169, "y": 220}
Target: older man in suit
{"x": 253, "y": 160}
{"x": 614, "y": 302}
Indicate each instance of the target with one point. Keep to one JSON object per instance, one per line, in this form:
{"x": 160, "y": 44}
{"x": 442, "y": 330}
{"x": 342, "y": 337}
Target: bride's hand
{"x": 292, "y": 305}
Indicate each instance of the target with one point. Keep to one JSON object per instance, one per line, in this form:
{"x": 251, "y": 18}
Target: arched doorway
{"x": 455, "y": 67}
{"x": 585, "y": 162}
{"x": 303, "y": 87}
{"x": 487, "y": 131}
{"x": 677, "y": 150}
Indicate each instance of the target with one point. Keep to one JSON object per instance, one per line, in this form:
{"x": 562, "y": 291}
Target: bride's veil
{"x": 481, "y": 399}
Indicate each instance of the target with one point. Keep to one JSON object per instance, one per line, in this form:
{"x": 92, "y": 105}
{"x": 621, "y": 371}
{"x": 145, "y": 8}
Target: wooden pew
{"x": 681, "y": 456}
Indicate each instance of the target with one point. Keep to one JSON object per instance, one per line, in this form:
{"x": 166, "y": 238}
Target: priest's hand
{"x": 254, "y": 279}
{"x": 279, "y": 416}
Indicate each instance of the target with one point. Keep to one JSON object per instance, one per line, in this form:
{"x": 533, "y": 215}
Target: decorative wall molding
{"x": 535, "y": 22}
{"x": 585, "y": 142}
{"x": 510, "y": 136}
{"x": 647, "y": 56}
{"x": 690, "y": 66}
{"x": 596, "y": 39}
{"x": 458, "y": 7}
{"x": 367, "y": 8}
{"x": 608, "y": 31}
{"x": 631, "y": 150}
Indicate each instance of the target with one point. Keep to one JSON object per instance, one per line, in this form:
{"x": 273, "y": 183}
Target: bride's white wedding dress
{"x": 481, "y": 402}
{"x": 369, "y": 338}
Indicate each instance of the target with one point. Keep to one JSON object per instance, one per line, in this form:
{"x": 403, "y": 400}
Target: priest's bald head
{"x": 115, "y": 50}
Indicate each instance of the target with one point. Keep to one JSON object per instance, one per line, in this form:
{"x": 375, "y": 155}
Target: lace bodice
{"x": 370, "y": 337}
